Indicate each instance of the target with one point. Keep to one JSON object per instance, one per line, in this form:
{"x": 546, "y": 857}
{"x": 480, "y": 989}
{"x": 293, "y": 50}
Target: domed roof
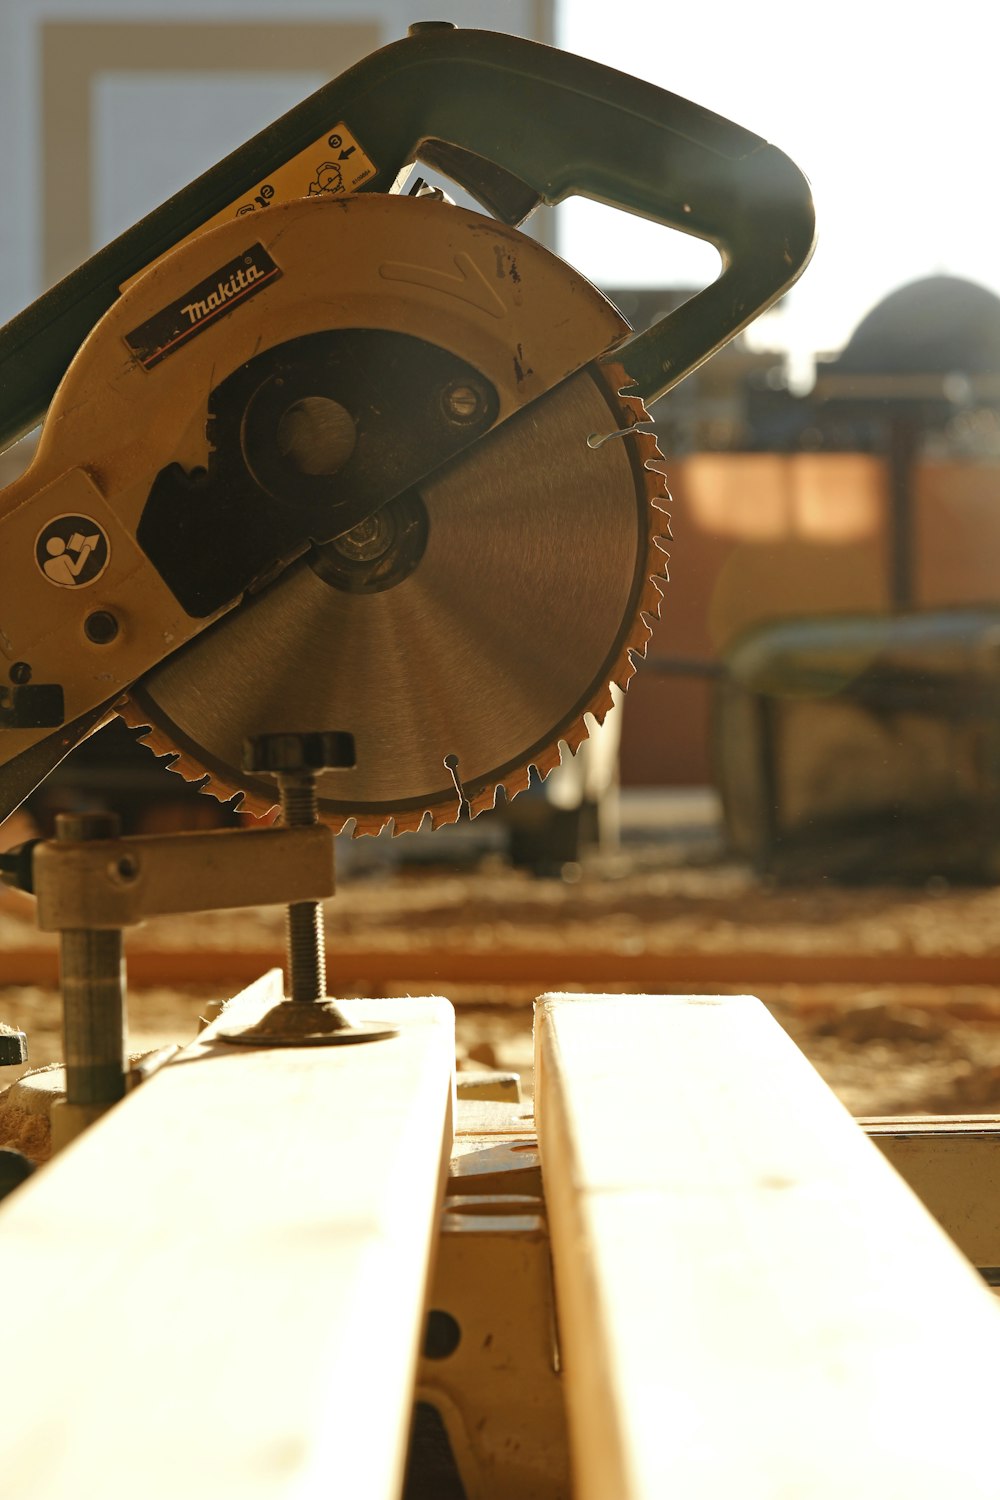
{"x": 937, "y": 325}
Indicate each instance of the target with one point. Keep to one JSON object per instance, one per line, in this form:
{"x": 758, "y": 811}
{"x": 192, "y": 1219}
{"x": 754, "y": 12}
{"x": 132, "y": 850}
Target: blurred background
{"x": 820, "y": 701}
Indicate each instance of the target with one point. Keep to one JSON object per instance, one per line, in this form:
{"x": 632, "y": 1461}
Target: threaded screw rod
{"x": 305, "y": 938}
{"x": 294, "y": 760}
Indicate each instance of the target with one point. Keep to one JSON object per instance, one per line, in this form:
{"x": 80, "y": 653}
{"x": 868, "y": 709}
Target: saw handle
{"x": 518, "y": 124}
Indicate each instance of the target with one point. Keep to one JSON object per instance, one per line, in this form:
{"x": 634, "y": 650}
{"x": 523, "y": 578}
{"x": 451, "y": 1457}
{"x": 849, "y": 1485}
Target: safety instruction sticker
{"x": 333, "y": 165}
{"x": 72, "y": 551}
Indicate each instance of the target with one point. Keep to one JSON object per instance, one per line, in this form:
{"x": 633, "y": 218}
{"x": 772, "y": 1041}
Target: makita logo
{"x": 217, "y": 296}
{"x": 224, "y": 292}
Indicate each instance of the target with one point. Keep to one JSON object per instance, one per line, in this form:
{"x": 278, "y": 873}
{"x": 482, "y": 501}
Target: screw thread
{"x": 306, "y": 946}
{"x": 299, "y": 801}
{"x": 305, "y": 940}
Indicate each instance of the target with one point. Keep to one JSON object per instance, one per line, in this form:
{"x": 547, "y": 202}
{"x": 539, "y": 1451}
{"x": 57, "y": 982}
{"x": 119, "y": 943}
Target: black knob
{"x": 13, "y": 1047}
{"x": 289, "y": 754}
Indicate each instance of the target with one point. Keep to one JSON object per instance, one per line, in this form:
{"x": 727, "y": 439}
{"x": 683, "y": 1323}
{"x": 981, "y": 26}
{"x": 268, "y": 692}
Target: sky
{"x": 890, "y": 109}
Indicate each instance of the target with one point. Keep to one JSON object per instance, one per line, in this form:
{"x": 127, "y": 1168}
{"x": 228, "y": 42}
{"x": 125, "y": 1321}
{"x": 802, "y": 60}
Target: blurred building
{"x": 877, "y": 491}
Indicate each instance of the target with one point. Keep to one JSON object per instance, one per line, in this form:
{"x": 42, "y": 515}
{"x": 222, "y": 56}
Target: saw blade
{"x": 527, "y": 576}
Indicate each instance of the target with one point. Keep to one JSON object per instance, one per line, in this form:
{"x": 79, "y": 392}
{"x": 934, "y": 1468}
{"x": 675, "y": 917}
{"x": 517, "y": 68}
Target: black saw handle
{"x": 517, "y": 124}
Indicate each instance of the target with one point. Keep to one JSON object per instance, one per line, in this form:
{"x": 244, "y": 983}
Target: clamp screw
{"x": 318, "y": 1022}
{"x": 294, "y": 760}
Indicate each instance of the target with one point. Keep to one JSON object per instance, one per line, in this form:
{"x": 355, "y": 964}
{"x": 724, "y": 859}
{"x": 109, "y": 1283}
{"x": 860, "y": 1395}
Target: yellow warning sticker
{"x": 333, "y": 165}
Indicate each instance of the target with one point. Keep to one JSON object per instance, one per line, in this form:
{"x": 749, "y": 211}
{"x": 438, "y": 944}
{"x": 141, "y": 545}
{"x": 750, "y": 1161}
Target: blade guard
{"x": 517, "y": 124}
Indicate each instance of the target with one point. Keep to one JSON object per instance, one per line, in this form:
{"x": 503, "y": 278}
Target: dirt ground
{"x": 885, "y": 1050}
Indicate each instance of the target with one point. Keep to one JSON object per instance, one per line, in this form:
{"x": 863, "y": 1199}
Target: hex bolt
{"x": 294, "y": 760}
{"x": 92, "y": 973}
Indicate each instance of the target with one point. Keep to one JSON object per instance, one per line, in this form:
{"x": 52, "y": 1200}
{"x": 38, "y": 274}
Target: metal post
{"x": 93, "y": 989}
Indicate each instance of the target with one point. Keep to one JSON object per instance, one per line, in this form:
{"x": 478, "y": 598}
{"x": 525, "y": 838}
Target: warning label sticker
{"x": 333, "y": 165}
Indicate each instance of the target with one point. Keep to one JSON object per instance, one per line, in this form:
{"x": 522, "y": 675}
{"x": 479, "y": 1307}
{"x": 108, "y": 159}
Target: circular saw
{"x": 332, "y": 456}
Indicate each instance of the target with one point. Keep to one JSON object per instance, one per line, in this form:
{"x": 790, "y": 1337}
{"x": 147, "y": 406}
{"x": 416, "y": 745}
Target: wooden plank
{"x": 533, "y": 968}
{"x": 752, "y": 1303}
{"x": 219, "y": 1289}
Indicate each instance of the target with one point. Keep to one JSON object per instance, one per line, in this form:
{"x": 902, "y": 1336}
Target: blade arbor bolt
{"x": 371, "y": 538}
{"x": 294, "y": 760}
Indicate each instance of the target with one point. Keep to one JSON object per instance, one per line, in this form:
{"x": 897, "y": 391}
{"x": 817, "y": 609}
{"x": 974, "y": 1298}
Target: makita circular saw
{"x": 320, "y": 453}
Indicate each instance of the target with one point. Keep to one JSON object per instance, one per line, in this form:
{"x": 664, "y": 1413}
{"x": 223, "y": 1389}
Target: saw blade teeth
{"x": 624, "y": 672}
{"x": 484, "y": 801}
{"x": 648, "y": 449}
{"x": 574, "y": 736}
{"x": 518, "y": 781}
{"x": 369, "y": 824}
{"x": 442, "y": 817}
{"x": 547, "y": 761}
{"x": 651, "y": 603}
{"x": 407, "y": 822}
{"x": 600, "y": 709}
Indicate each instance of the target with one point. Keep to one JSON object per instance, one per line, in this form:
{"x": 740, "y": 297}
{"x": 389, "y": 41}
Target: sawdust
{"x": 24, "y": 1126}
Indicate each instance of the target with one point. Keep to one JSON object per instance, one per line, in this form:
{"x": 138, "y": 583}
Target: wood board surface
{"x": 751, "y": 1301}
{"x": 219, "y": 1289}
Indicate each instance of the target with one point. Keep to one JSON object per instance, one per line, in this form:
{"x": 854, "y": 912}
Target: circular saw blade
{"x": 540, "y": 570}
